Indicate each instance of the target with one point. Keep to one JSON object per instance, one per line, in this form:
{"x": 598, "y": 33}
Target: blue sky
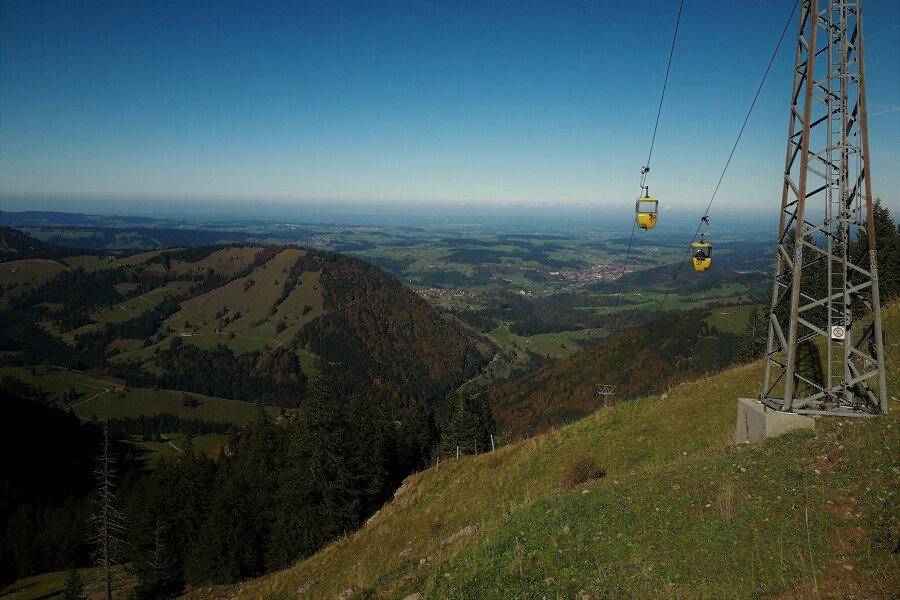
{"x": 488, "y": 103}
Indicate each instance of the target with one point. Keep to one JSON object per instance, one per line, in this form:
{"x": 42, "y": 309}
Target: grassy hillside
{"x": 253, "y": 298}
{"x": 262, "y": 319}
{"x": 16, "y": 245}
{"x": 681, "y": 513}
{"x": 97, "y": 397}
{"x": 732, "y": 318}
{"x": 17, "y": 276}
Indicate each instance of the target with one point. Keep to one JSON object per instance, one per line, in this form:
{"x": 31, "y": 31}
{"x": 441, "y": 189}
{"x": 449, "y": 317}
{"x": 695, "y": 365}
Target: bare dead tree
{"x": 107, "y": 520}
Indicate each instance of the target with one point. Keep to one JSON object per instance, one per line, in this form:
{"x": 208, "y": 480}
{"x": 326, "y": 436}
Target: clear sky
{"x": 525, "y": 103}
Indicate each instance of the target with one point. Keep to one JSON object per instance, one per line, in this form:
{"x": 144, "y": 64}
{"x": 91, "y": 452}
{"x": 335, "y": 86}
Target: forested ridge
{"x": 378, "y": 334}
{"x": 642, "y": 360}
{"x": 278, "y": 494}
{"x": 16, "y": 245}
{"x": 374, "y": 333}
{"x": 45, "y": 504}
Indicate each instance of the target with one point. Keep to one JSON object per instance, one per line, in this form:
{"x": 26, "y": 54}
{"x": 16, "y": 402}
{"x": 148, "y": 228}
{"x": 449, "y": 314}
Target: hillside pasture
{"x": 251, "y": 299}
{"x": 52, "y": 585}
{"x": 732, "y": 319}
{"x": 91, "y": 263}
{"x": 138, "y": 401}
{"x": 515, "y": 350}
{"x": 133, "y": 307}
{"x": 97, "y": 397}
{"x": 55, "y": 381}
{"x": 142, "y": 257}
{"x": 32, "y": 271}
{"x": 141, "y": 353}
{"x": 552, "y": 345}
{"x": 126, "y": 345}
{"x": 228, "y": 261}
{"x": 307, "y": 293}
{"x": 130, "y": 309}
{"x": 239, "y": 344}
{"x": 149, "y": 453}
{"x": 732, "y": 293}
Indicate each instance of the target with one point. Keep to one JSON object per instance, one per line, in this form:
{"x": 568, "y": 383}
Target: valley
{"x": 562, "y": 283}
{"x": 204, "y": 360}
{"x": 383, "y": 301}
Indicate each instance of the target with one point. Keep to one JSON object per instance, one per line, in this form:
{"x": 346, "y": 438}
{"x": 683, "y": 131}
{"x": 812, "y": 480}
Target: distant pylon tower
{"x": 606, "y": 391}
{"x": 825, "y": 352}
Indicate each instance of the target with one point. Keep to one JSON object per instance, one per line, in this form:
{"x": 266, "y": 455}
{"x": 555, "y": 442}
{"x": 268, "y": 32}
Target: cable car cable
{"x": 733, "y": 149}
{"x": 646, "y": 168}
{"x": 665, "y": 83}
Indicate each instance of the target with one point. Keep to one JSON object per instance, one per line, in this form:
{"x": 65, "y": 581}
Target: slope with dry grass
{"x": 681, "y": 512}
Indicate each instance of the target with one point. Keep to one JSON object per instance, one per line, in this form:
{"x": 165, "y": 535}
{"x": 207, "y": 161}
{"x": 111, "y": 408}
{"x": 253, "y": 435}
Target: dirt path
{"x": 105, "y": 391}
{"x": 164, "y": 438}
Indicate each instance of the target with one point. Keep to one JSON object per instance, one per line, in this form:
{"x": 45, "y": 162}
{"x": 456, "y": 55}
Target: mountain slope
{"x": 15, "y": 245}
{"x": 644, "y": 359}
{"x": 681, "y": 513}
{"x": 375, "y": 331}
{"x": 260, "y": 319}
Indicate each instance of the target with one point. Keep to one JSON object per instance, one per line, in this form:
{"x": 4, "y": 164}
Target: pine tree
{"x": 233, "y": 541}
{"x": 416, "y": 439}
{"x": 74, "y": 589}
{"x": 469, "y": 423}
{"x": 887, "y": 241}
{"x": 754, "y": 337}
{"x": 314, "y": 501}
{"x": 195, "y": 476}
{"x": 155, "y": 568}
{"x": 218, "y": 556}
{"x": 373, "y": 466}
{"x": 259, "y": 467}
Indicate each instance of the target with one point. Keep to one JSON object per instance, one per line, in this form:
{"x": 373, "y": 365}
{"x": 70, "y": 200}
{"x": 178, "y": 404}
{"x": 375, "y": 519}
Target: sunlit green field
{"x": 90, "y": 264}
{"x": 556, "y": 345}
{"x": 732, "y": 319}
{"x": 20, "y": 276}
{"x": 97, "y": 398}
{"x": 149, "y": 453}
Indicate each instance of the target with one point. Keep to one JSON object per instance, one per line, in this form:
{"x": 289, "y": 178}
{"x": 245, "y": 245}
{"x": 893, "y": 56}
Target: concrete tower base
{"x": 756, "y": 421}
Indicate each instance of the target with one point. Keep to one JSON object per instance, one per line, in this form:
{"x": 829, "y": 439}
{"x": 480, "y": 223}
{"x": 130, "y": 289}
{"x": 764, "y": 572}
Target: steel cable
{"x": 650, "y": 153}
{"x": 731, "y": 155}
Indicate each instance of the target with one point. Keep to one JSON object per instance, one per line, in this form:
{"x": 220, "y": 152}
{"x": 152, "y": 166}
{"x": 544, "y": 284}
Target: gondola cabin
{"x": 701, "y": 256}
{"x": 646, "y": 209}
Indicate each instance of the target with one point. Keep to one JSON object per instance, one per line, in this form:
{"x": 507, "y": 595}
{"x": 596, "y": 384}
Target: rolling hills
{"x": 680, "y": 513}
{"x": 262, "y": 320}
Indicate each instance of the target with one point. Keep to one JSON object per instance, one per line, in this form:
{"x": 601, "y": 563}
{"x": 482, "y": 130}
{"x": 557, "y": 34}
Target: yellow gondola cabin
{"x": 646, "y": 209}
{"x": 701, "y": 255}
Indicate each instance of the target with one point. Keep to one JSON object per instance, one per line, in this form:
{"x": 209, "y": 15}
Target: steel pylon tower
{"x": 825, "y": 351}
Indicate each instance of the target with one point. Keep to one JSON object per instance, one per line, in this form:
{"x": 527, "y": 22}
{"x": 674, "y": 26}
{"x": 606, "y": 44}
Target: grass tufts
{"x": 585, "y": 468}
